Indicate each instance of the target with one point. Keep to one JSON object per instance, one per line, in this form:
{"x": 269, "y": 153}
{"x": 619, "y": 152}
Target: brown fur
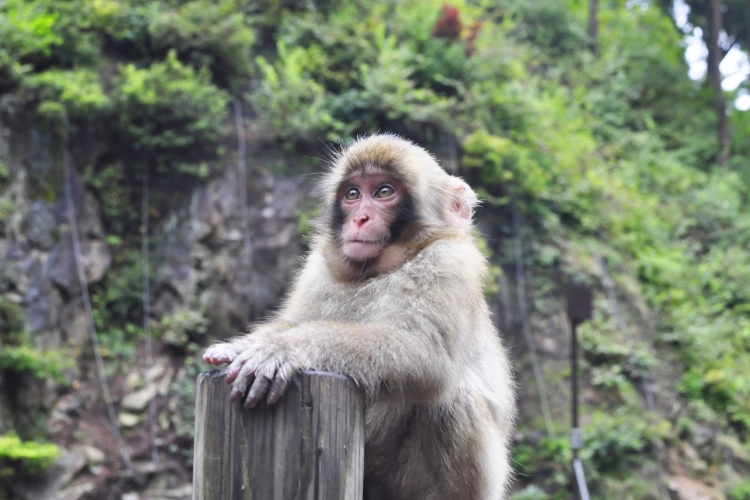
{"x": 411, "y": 328}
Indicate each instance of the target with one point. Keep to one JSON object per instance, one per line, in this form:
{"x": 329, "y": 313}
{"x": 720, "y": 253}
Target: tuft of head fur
{"x": 441, "y": 201}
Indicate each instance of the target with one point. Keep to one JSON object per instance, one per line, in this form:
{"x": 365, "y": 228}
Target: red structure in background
{"x": 449, "y": 26}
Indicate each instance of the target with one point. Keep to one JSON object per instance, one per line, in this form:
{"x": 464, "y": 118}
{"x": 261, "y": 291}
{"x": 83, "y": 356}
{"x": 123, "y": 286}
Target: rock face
{"x": 38, "y": 274}
{"x": 197, "y": 250}
{"x": 199, "y": 266}
{"x": 200, "y": 255}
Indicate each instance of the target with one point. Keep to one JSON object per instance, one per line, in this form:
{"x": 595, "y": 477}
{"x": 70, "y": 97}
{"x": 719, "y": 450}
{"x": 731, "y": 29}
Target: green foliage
{"x": 531, "y": 492}
{"x": 30, "y": 457}
{"x": 61, "y": 93}
{"x": 26, "y": 34}
{"x": 613, "y": 362}
{"x": 4, "y": 175}
{"x": 293, "y": 104}
{"x": 612, "y": 151}
{"x": 740, "y": 491}
{"x": 169, "y": 111}
{"x": 28, "y": 27}
{"x": 182, "y": 327}
{"x": 116, "y": 196}
{"x": 118, "y": 304}
{"x": 209, "y": 34}
{"x": 345, "y": 73}
{"x": 491, "y": 284}
{"x": 41, "y": 364}
{"x": 11, "y": 319}
{"x": 615, "y": 443}
{"x": 306, "y": 222}
{"x": 547, "y": 461}
{"x": 552, "y": 28}
{"x": 184, "y": 421}
{"x": 500, "y": 160}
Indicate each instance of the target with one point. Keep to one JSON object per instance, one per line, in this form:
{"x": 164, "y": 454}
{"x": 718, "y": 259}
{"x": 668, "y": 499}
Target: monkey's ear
{"x": 462, "y": 203}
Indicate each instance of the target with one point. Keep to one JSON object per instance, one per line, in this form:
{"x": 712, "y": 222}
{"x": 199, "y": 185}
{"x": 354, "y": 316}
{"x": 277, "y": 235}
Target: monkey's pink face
{"x": 370, "y": 202}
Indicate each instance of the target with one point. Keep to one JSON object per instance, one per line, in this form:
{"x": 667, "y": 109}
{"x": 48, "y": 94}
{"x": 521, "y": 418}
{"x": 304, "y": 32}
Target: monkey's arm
{"x": 412, "y": 331}
{"x": 226, "y": 352}
{"x": 413, "y": 357}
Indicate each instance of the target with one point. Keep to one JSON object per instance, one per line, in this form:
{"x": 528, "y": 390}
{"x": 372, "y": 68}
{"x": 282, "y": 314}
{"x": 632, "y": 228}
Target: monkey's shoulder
{"x": 447, "y": 256}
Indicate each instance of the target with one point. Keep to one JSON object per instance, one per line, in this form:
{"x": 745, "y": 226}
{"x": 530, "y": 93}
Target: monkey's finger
{"x": 259, "y": 388}
{"x": 239, "y": 389}
{"x": 280, "y": 383}
{"x": 219, "y": 354}
{"x": 243, "y": 379}
{"x": 234, "y": 369}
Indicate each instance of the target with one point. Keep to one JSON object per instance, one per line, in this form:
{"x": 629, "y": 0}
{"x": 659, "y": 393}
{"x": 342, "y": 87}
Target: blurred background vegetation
{"x": 626, "y": 174}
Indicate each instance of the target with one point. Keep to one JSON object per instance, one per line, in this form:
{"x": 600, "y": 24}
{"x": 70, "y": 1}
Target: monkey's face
{"x": 370, "y": 204}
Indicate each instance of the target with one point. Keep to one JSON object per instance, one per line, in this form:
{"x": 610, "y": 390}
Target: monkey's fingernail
{"x": 235, "y": 395}
{"x": 251, "y": 402}
{"x": 273, "y": 397}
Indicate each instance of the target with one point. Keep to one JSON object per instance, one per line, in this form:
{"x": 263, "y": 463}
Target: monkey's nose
{"x": 361, "y": 219}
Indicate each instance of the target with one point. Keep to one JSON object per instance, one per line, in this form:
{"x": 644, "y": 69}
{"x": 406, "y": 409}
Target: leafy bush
{"x": 355, "y": 77}
{"x": 30, "y": 456}
{"x": 547, "y": 461}
{"x": 169, "y": 112}
{"x": 11, "y": 319}
{"x": 4, "y": 174}
{"x": 290, "y": 101}
{"x": 551, "y": 28}
{"x": 41, "y": 364}
{"x": 26, "y": 35}
{"x": 209, "y": 34}
{"x": 181, "y": 327}
{"x": 118, "y": 304}
{"x": 617, "y": 442}
{"x": 613, "y": 362}
{"x": 77, "y": 93}
{"x": 740, "y": 491}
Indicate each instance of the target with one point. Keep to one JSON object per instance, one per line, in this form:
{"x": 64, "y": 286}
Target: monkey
{"x": 391, "y": 295}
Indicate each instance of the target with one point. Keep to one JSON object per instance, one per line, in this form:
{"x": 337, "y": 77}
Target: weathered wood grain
{"x": 308, "y": 446}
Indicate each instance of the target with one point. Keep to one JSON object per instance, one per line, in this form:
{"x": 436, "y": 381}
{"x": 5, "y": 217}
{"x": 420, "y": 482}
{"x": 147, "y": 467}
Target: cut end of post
{"x": 310, "y": 442}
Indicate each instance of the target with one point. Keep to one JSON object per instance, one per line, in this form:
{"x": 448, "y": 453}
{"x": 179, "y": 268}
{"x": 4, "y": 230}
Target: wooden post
{"x": 308, "y": 446}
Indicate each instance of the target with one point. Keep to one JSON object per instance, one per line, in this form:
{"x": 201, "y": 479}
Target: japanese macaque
{"x": 391, "y": 295}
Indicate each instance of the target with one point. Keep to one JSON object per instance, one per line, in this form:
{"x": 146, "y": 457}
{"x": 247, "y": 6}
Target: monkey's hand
{"x": 266, "y": 364}
{"x": 220, "y": 354}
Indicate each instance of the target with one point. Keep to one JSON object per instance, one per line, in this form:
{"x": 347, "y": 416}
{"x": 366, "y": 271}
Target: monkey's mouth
{"x": 362, "y": 249}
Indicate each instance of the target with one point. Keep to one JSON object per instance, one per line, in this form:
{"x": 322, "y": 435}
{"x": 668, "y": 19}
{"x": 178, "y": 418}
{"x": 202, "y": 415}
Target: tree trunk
{"x": 715, "y": 55}
{"x": 594, "y": 25}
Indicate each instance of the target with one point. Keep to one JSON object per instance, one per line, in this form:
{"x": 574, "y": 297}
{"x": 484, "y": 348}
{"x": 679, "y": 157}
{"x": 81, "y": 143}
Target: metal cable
{"x": 87, "y": 305}
{"x": 147, "y": 316}
{"x": 242, "y": 178}
{"x": 521, "y": 292}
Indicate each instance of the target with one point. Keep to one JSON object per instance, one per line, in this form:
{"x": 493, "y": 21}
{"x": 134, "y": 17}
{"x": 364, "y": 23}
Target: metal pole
{"x": 575, "y": 432}
{"x": 576, "y": 436}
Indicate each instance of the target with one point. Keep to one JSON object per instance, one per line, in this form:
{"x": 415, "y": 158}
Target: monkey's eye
{"x": 384, "y": 191}
{"x": 352, "y": 194}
